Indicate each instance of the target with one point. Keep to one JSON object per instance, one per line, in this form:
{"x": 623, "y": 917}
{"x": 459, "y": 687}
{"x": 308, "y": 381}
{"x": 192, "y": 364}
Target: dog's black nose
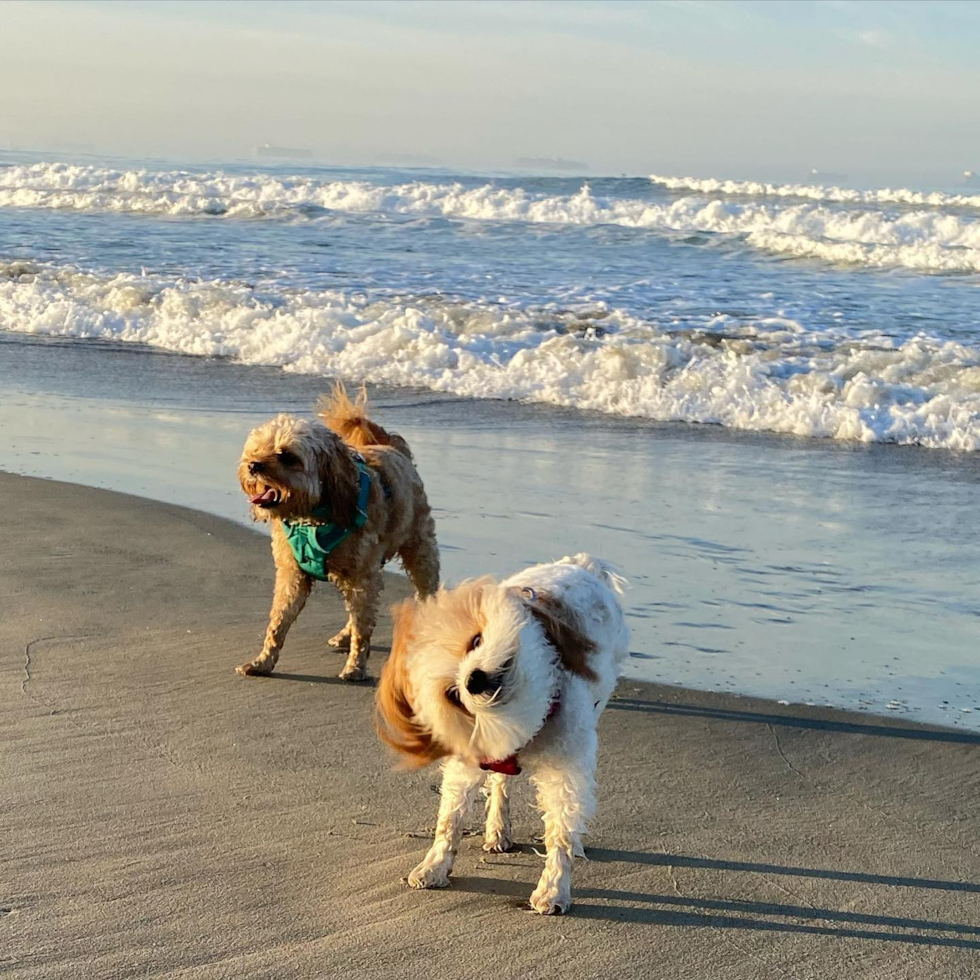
{"x": 255, "y": 467}
{"x": 479, "y": 682}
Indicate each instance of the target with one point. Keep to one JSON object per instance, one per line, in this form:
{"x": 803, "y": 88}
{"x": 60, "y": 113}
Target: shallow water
{"x": 801, "y": 570}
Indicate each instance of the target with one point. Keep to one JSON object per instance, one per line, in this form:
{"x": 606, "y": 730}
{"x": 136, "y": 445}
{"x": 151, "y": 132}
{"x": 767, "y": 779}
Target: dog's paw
{"x": 353, "y": 673}
{"x": 497, "y": 843}
{"x": 550, "y": 901}
{"x": 254, "y": 669}
{"x": 425, "y": 876}
{"x": 340, "y": 641}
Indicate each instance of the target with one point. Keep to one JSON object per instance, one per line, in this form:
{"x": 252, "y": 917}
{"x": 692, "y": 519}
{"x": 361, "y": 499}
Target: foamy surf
{"x": 830, "y": 194}
{"x": 770, "y": 374}
{"x": 926, "y": 240}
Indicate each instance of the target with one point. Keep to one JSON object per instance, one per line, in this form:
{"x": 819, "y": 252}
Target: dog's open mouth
{"x": 268, "y": 498}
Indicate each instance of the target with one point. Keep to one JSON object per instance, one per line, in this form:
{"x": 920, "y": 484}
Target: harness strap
{"x": 312, "y": 544}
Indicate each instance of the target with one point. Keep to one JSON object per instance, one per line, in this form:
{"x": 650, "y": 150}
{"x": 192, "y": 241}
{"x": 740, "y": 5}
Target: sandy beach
{"x": 166, "y": 818}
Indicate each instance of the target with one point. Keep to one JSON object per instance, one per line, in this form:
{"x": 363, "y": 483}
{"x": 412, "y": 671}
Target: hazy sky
{"x": 736, "y": 87}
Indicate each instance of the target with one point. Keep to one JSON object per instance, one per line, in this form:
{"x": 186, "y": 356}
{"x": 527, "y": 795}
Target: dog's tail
{"x": 603, "y": 570}
{"x": 349, "y": 419}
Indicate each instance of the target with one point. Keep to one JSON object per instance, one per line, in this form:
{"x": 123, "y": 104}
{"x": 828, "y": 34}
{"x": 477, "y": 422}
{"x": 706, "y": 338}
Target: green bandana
{"x": 312, "y": 543}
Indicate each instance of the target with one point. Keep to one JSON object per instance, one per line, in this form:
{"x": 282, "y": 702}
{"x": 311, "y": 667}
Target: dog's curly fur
{"x": 487, "y": 672}
{"x": 296, "y": 466}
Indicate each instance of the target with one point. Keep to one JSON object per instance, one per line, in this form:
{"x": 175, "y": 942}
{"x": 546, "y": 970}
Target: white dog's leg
{"x": 566, "y": 798}
{"x": 460, "y": 784}
{"x": 497, "y": 836}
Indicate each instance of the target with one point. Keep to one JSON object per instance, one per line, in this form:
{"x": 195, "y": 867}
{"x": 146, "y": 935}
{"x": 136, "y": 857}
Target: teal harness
{"x": 312, "y": 543}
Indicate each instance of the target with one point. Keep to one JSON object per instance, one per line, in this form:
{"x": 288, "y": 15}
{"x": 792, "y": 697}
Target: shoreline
{"x": 797, "y": 571}
{"x": 707, "y": 703}
{"x": 761, "y": 709}
{"x": 168, "y": 817}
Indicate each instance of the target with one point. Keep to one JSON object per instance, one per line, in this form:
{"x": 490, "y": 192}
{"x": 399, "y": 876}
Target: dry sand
{"x": 163, "y": 817}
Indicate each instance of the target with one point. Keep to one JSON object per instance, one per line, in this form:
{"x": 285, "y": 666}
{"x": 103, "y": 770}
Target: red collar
{"x": 510, "y": 765}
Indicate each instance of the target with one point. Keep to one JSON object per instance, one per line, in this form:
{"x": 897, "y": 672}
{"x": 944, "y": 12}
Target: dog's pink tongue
{"x": 266, "y": 497}
{"x": 508, "y": 766}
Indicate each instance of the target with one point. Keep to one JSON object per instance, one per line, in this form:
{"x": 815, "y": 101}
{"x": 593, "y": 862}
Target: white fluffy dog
{"x": 500, "y": 677}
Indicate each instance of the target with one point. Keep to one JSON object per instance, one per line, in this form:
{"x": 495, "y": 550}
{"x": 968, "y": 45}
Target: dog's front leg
{"x": 566, "y": 798}
{"x": 497, "y": 835}
{"x": 292, "y": 588}
{"x": 460, "y": 783}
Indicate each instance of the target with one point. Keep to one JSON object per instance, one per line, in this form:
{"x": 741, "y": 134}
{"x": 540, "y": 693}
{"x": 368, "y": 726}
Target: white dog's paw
{"x": 429, "y": 876}
{"x": 550, "y": 900}
{"x": 498, "y": 843}
{"x": 353, "y": 673}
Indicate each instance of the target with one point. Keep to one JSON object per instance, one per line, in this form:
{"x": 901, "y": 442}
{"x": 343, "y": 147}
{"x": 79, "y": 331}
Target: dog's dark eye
{"x": 287, "y": 458}
{"x": 477, "y": 641}
{"x": 452, "y": 696}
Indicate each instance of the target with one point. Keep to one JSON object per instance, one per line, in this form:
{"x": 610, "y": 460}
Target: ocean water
{"x": 815, "y": 311}
{"x": 547, "y": 344}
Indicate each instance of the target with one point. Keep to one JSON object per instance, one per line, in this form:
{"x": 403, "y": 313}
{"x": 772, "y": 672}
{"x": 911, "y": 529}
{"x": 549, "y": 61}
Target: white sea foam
{"x": 768, "y": 375}
{"x": 925, "y": 240}
{"x": 817, "y": 192}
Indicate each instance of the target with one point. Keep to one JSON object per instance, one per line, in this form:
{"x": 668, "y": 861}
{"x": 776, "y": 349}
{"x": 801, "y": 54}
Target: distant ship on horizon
{"x": 550, "y": 163}
{"x": 827, "y": 175}
{"x": 283, "y": 152}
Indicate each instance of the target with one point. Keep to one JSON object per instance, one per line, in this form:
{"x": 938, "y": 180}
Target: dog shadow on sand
{"x": 666, "y": 910}
{"x": 656, "y": 909}
{"x": 923, "y": 733}
{"x": 676, "y": 910}
{"x": 284, "y": 675}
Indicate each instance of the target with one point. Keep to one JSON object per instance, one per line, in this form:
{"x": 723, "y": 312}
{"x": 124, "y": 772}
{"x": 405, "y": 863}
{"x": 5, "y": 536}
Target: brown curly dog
{"x": 343, "y": 497}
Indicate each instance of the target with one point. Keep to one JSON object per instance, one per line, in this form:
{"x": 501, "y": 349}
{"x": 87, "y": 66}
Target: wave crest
{"x": 926, "y": 241}
{"x": 769, "y": 374}
{"x": 817, "y": 192}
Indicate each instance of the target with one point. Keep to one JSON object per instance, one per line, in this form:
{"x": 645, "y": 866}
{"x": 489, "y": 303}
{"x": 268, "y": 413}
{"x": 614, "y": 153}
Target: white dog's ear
{"x": 396, "y": 722}
{"x": 563, "y": 630}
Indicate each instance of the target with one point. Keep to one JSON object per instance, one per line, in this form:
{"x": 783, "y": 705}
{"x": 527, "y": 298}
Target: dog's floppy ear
{"x": 564, "y": 632}
{"x": 339, "y": 477}
{"x": 395, "y": 720}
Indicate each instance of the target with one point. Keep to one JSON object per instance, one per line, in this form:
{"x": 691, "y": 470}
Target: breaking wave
{"x": 817, "y": 192}
{"x": 925, "y": 240}
{"x": 770, "y": 374}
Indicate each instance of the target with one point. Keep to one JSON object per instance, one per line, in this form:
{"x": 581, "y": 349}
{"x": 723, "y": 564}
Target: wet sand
{"x": 164, "y": 817}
